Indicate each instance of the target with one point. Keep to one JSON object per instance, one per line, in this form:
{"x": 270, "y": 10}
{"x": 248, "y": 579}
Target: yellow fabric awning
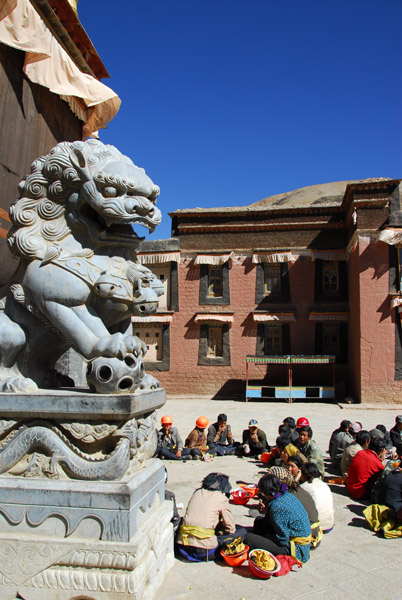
{"x": 328, "y": 316}
{"x": 213, "y": 259}
{"x": 283, "y": 317}
{"x": 213, "y": 317}
{"x": 152, "y": 319}
{"x": 152, "y": 258}
{"x": 49, "y": 65}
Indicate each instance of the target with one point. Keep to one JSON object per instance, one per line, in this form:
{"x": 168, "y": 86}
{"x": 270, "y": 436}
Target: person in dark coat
{"x": 220, "y": 438}
{"x": 396, "y": 435}
{"x": 254, "y": 440}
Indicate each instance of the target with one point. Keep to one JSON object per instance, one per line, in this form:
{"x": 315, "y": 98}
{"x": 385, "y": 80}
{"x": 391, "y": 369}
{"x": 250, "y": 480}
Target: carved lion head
{"x": 83, "y": 189}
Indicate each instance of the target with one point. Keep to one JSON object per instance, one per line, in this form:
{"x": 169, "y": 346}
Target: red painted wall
{"x": 377, "y": 325}
{"x": 185, "y": 376}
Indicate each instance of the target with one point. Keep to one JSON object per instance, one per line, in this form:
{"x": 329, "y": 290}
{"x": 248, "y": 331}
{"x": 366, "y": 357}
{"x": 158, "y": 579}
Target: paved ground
{"x": 350, "y": 562}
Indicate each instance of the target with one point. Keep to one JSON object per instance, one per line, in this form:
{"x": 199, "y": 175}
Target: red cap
{"x": 302, "y": 421}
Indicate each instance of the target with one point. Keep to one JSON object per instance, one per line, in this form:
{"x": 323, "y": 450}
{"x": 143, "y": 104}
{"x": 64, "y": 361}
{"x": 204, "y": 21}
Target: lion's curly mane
{"x": 38, "y": 215}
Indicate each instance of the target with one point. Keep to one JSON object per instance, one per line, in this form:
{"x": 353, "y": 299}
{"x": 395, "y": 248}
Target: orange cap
{"x": 202, "y": 422}
{"x": 166, "y": 420}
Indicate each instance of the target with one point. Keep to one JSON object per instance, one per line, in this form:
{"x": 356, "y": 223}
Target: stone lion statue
{"x": 79, "y": 281}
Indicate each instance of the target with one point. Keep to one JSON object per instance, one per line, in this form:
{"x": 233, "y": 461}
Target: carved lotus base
{"x": 38, "y": 567}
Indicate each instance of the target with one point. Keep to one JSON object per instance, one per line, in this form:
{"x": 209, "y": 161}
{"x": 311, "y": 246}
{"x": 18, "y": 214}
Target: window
{"x": 215, "y": 281}
{"x": 215, "y": 339}
{"x": 273, "y": 338}
{"x": 330, "y": 279}
{"x": 214, "y": 284}
{"x": 214, "y": 349}
{"x": 331, "y": 340}
{"x": 157, "y": 339}
{"x": 272, "y": 283}
{"x": 152, "y": 336}
{"x": 163, "y": 273}
{"x": 272, "y": 279}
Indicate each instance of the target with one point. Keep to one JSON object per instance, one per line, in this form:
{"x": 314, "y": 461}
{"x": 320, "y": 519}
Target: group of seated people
{"x": 216, "y": 441}
{"x": 296, "y": 505}
{"x": 293, "y": 516}
{"x": 369, "y": 462}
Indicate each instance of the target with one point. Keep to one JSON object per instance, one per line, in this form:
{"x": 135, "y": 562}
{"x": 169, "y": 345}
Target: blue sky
{"x": 226, "y": 102}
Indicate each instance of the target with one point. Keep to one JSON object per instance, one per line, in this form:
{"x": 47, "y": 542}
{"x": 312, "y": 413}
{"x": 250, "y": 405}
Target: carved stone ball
{"x": 114, "y": 375}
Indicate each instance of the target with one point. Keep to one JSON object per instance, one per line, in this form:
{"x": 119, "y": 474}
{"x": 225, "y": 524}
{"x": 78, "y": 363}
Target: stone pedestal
{"x": 64, "y": 538}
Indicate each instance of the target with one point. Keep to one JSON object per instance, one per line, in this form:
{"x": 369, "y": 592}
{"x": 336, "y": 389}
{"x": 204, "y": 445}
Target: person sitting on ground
{"x": 339, "y": 443}
{"x": 343, "y": 427}
{"x": 396, "y": 435}
{"x": 361, "y": 442}
{"x": 284, "y": 431}
{"x": 196, "y": 441}
{"x": 170, "y": 444}
{"x": 309, "y": 448}
{"x": 391, "y": 492}
{"x": 208, "y": 523}
{"x": 364, "y": 469}
{"x": 291, "y": 423}
{"x": 254, "y": 440}
{"x": 321, "y": 494}
{"x": 387, "y": 436}
{"x": 285, "y": 477}
{"x": 285, "y": 528}
{"x": 220, "y": 438}
{"x": 294, "y": 466}
{"x": 286, "y": 450}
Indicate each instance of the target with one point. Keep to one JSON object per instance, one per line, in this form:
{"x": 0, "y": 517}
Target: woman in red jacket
{"x": 364, "y": 469}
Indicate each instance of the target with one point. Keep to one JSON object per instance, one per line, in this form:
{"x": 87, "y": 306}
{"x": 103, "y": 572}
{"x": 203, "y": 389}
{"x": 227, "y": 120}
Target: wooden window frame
{"x": 215, "y": 281}
{"x": 204, "y": 358}
{"x": 261, "y": 349}
{"x": 280, "y": 295}
{"x": 272, "y": 272}
{"x": 204, "y": 298}
{"x": 326, "y": 283}
{"x": 164, "y": 363}
{"x": 342, "y": 357}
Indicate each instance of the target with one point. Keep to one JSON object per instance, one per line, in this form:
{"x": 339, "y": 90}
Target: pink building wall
{"x": 186, "y": 376}
{"x": 377, "y": 325}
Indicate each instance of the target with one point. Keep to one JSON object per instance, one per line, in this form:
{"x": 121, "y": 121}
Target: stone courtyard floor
{"x": 351, "y": 562}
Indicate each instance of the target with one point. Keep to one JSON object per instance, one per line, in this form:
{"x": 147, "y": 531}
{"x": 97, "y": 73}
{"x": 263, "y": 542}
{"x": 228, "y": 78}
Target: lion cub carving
{"x": 78, "y": 281}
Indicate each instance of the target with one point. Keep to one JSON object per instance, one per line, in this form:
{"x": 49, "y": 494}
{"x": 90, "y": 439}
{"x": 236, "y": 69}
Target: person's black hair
{"x": 217, "y": 482}
{"x": 377, "y": 444}
{"x": 290, "y": 422}
{"x": 306, "y": 428}
{"x": 281, "y": 442}
{"x": 222, "y": 417}
{"x": 297, "y": 460}
{"x": 381, "y": 428}
{"x": 284, "y": 431}
{"x": 362, "y": 437}
{"x": 345, "y": 424}
{"x": 270, "y": 485}
{"x": 310, "y": 471}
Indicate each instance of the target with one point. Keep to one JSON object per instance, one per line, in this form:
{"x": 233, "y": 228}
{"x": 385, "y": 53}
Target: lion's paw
{"x": 18, "y": 384}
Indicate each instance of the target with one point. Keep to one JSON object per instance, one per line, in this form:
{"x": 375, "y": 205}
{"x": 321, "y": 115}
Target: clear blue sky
{"x": 226, "y": 102}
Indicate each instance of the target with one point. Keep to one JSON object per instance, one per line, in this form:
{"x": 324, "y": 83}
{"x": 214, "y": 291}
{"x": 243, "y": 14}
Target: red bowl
{"x": 251, "y": 488}
{"x": 241, "y": 496}
{"x": 235, "y": 560}
{"x": 262, "y": 573}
